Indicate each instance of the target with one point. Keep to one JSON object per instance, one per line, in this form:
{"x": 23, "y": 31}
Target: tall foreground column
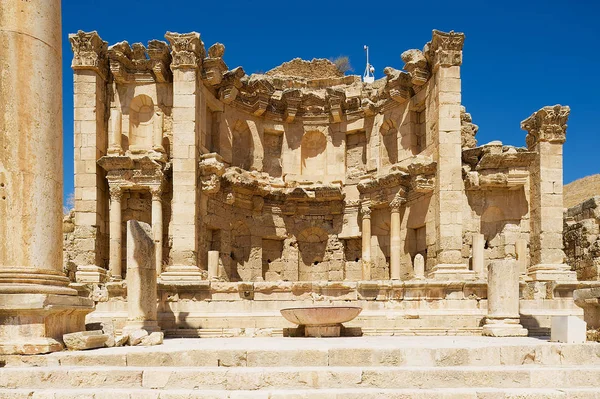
{"x": 445, "y": 50}
{"x": 36, "y": 304}
{"x": 546, "y": 130}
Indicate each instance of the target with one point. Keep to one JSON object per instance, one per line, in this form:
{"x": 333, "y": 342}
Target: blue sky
{"x": 518, "y": 55}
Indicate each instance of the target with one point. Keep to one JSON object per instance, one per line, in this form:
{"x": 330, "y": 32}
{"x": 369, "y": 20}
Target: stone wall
{"x": 582, "y": 238}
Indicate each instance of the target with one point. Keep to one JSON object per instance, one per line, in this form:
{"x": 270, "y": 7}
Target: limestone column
{"x": 90, "y": 74}
{"x": 395, "y": 240}
{"x": 477, "y": 248}
{"x": 141, "y": 279}
{"x": 114, "y": 264}
{"x": 187, "y": 52}
{"x": 443, "y": 119}
{"x": 546, "y": 134}
{"x": 503, "y": 318}
{"x": 366, "y": 242}
{"x": 36, "y": 305}
{"x": 114, "y": 132}
{"x": 213, "y": 264}
{"x": 157, "y": 227}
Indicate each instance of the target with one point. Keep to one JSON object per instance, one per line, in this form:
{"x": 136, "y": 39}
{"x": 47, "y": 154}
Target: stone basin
{"x": 321, "y": 321}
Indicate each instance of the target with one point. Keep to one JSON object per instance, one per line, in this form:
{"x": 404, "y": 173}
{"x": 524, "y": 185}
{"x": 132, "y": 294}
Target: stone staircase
{"x": 302, "y": 368}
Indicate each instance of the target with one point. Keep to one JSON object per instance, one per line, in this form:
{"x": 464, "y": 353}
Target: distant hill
{"x": 580, "y": 190}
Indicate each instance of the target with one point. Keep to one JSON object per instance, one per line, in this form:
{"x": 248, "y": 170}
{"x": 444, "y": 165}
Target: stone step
{"x": 355, "y": 393}
{"x": 361, "y": 351}
{"x": 260, "y": 378}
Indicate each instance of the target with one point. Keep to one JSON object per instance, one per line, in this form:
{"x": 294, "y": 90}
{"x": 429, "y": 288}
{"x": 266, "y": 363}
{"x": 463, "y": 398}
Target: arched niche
{"x": 141, "y": 113}
{"x": 241, "y": 246}
{"x": 242, "y": 146}
{"x": 314, "y": 157}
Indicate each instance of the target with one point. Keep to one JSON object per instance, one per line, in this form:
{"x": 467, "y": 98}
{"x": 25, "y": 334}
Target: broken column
{"x": 478, "y": 251}
{"x": 503, "y": 319}
{"x": 36, "y": 305}
{"x": 366, "y": 242}
{"x": 419, "y": 267}
{"x": 141, "y": 279}
{"x": 213, "y": 264}
{"x": 546, "y": 134}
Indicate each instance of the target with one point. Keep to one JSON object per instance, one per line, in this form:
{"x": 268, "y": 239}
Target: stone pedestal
{"x": 568, "y": 329}
{"x": 36, "y": 305}
{"x": 503, "y": 318}
{"x": 141, "y": 279}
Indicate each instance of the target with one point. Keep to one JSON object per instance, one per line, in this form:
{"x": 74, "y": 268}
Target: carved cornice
{"x": 139, "y": 64}
{"x": 445, "y": 49}
{"x": 89, "y": 52}
{"x": 548, "y": 124}
{"x": 187, "y": 49}
{"x": 214, "y": 67}
{"x": 416, "y": 65}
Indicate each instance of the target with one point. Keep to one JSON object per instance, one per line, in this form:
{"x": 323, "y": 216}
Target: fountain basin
{"x": 321, "y": 321}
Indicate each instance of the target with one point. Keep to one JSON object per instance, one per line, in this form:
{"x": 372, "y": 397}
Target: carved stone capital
{"x": 397, "y": 203}
{"x": 187, "y": 49}
{"x": 116, "y": 193}
{"x": 89, "y": 52}
{"x": 445, "y": 49}
{"x": 365, "y": 211}
{"x": 292, "y": 98}
{"x": 548, "y": 124}
{"x": 156, "y": 192}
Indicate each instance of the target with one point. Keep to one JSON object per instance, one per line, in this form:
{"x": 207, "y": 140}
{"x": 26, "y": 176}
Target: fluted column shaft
{"x": 114, "y": 265}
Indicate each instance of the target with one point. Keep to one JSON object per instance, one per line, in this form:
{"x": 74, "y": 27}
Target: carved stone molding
{"x": 214, "y": 66}
{"x": 397, "y": 203}
{"x": 445, "y": 49}
{"x": 187, "y": 49}
{"x": 139, "y": 64}
{"x": 89, "y": 52}
{"x": 365, "y": 211}
{"x": 416, "y": 65}
{"x": 548, "y": 124}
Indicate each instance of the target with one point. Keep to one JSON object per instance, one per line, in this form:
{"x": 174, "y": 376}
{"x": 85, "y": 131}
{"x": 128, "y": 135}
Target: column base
{"x": 91, "y": 274}
{"x": 34, "y": 323}
{"x": 508, "y": 327}
{"x": 551, "y": 272}
{"x": 452, "y": 271}
{"x": 183, "y": 273}
{"x": 149, "y": 325}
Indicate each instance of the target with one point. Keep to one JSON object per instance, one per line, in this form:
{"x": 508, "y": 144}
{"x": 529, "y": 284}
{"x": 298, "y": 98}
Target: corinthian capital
{"x": 89, "y": 52}
{"x": 548, "y": 124}
{"x": 445, "y": 49}
{"x": 187, "y": 49}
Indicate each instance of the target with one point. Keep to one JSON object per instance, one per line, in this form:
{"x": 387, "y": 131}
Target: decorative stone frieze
{"x": 549, "y": 124}
{"x": 136, "y": 63}
{"x": 89, "y": 52}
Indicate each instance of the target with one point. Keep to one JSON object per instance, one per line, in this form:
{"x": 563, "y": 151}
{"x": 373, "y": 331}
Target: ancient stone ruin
{"x": 303, "y": 185}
